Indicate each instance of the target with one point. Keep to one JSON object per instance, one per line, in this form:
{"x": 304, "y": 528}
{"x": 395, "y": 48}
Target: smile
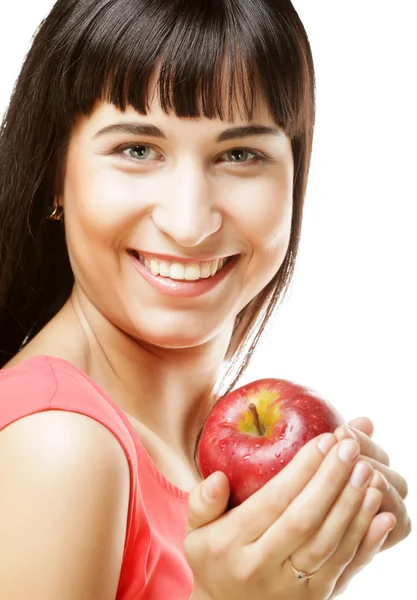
{"x": 192, "y": 271}
{"x": 188, "y": 280}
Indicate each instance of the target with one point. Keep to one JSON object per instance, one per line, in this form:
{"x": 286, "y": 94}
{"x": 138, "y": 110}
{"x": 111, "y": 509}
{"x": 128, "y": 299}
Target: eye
{"x": 138, "y": 152}
{"x": 144, "y": 152}
{"x": 242, "y": 156}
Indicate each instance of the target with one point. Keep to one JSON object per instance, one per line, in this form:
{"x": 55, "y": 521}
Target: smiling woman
{"x": 153, "y": 168}
{"x": 94, "y": 56}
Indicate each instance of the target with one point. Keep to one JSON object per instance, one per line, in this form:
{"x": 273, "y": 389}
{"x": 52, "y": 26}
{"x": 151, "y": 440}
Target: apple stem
{"x": 259, "y": 428}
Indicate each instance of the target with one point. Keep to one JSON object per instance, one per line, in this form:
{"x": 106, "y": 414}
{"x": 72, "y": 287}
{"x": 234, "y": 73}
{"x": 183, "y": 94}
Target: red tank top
{"x": 154, "y": 566}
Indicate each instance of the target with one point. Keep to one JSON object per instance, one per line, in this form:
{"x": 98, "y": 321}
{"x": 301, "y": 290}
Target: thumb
{"x": 207, "y": 501}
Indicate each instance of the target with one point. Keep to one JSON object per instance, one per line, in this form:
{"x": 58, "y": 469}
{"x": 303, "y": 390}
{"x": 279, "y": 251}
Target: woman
{"x": 154, "y": 161}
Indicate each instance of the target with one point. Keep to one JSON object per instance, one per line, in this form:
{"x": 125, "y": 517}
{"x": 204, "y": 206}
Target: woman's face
{"x": 180, "y": 193}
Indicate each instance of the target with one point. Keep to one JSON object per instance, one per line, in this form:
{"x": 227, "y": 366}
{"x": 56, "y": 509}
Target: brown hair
{"x": 91, "y": 50}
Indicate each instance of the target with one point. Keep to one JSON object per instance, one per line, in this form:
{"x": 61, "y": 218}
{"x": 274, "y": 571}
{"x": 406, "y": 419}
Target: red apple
{"x": 253, "y": 432}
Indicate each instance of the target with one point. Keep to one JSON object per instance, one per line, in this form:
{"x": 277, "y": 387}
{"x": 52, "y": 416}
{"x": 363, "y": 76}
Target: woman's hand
{"x": 316, "y": 512}
{"x": 392, "y": 485}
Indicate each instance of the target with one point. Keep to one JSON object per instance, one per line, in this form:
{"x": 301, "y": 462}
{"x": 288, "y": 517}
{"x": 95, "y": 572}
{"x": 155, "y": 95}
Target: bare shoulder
{"x": 63, "y": 508}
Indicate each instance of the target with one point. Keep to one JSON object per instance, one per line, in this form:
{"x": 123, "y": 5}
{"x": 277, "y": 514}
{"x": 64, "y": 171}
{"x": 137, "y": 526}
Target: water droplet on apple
{"x": 246, "y": 457}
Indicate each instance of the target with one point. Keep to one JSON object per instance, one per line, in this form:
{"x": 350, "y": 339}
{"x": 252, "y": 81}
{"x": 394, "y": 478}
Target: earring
{"x": 56, "y": 212}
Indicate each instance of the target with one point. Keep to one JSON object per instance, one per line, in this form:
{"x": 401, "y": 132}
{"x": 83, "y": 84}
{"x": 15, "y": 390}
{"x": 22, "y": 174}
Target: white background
{"x": 349, "y": 328}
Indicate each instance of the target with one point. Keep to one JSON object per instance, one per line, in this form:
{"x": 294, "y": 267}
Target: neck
{"x": 168, "y": 391}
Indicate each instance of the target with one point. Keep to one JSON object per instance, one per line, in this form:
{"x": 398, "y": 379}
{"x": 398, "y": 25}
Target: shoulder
{"x": 55, "y": 435}
{"x": 33, "y": 375}
{"x": 44, "y": 383}
{"x": 65, "y": 483}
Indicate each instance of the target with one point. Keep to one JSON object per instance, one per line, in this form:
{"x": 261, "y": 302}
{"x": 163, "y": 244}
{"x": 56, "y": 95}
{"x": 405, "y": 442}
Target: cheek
{"x": 100, "y": 209}
{"x": 264, "y": 219}
{"x": 270, "y": 235}
{"x": 102, "y": 201}
{"x": 263, "y": 213}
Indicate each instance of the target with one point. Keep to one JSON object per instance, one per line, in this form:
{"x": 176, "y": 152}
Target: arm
{"x": 63, "y": 508}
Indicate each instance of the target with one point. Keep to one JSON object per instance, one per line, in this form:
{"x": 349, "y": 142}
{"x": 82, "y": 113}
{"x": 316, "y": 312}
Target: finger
{"x": 364, "y": 424}
{"x": 371, "y": 544}
{"x": 306, "y": 513}
{"x": 399, "y": 532}
{"x": 324, "y": 543}
{"x": 254, "y": 516}
{"x": 329, "y": 574}
{"x": 356, "y": 532}
{"x": 368, "y": 446}
{"x": 380, "y": 483}
{"x": 394, "y": 478}
{"x": 344, "y": 432}
{"x": 207, "y": 501}
{"x": 393, "y": 503}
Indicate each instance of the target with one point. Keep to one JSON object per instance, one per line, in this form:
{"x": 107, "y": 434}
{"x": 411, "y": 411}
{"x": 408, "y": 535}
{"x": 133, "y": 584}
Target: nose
{"x": 186, "y": 211}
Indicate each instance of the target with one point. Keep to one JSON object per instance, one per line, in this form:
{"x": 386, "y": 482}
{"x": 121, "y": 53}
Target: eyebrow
{"x": 233, "y": 133}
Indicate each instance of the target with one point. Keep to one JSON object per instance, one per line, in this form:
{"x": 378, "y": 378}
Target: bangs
{"x": 210, "y": 57}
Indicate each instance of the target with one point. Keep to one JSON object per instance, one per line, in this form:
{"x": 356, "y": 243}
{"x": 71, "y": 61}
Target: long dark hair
{"x": 106, "y": 50}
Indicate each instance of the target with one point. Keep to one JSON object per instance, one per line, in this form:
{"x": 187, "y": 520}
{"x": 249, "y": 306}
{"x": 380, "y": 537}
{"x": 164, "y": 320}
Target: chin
{"x": 175, "y": 333}
{"x": 176, "y": 325}
{"x": 172, "y": 340}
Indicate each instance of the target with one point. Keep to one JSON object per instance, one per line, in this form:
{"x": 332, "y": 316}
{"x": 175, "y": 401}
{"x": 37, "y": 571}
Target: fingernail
{"x": 385, "y": 483}
{"x": 384, "y": 539}
{"x": 348, "y": 451}
{"x": 360, "y": 474}
{"x": 326, "y": 443}
{"x": 380, "y": 482}
{"x": 352, "y": 433}
{"x": 372, "y": 500}
{"x": 209, "y": 488}
{"x": 348, "y": 432}
{"x": 344, "y": 432}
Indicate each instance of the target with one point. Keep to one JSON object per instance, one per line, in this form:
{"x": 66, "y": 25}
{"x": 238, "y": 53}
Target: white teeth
{"x": 164, "y": 269}
{"x": 182, "y": 271}
{"x": 177, "y": 271}
{"x": 213, "y": 267}
{"x": 205, "y": 270}
{"x": 155, "y": 267}
{"x": 192, "y": 272}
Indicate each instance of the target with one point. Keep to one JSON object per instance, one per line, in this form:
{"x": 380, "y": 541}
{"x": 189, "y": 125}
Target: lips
{"x": 180, "y": 269}
{"x": 191, "y": 288}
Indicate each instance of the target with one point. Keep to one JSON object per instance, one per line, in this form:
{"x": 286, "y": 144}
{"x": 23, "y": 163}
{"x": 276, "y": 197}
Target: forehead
{"x": 234, "y": 109}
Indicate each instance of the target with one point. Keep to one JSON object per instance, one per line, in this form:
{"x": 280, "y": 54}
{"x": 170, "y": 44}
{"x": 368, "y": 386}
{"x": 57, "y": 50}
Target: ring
{"x": 300, "y": 574}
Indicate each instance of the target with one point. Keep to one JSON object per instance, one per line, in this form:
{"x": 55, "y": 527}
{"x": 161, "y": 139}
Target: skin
{"x": 181, "y": 195}
{"x": 393, "y": 486}
{"x": 133, "y": 340}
